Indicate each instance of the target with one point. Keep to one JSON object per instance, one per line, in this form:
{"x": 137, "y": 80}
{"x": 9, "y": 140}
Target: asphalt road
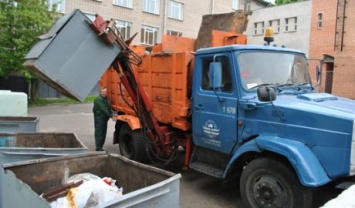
{"x": 197, "y": 190}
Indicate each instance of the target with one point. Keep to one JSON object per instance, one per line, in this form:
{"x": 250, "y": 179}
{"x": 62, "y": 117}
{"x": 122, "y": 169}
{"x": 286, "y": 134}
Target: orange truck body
{"x": 165, "y": 74}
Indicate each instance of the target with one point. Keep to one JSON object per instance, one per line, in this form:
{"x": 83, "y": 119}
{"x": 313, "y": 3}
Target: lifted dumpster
{"x": 67, "y": 52}
{"x": 143, "y": 186}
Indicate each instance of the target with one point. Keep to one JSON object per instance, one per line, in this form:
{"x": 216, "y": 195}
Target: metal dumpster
{"x": 26, "y": 146}
{"x": 15, "y": 124}
{"x": 143, "y": 186}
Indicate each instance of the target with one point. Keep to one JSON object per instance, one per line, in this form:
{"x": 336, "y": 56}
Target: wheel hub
{"x": 268, "y": 193}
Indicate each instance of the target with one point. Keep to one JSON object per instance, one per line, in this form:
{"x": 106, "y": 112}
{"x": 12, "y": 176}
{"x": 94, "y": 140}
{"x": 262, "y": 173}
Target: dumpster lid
{"x": 45, "y": 39}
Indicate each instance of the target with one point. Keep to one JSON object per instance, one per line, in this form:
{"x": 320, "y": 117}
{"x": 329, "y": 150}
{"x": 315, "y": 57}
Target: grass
{"x": 48, "y": 101}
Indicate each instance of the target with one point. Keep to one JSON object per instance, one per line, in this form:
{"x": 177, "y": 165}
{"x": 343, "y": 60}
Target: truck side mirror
{"x": 215, "y": 75}
{"x": 266, "y": 94}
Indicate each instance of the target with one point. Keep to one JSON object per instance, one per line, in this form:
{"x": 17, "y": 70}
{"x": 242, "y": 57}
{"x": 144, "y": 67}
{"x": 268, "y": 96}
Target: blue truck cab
{"x": 256, "y": 115}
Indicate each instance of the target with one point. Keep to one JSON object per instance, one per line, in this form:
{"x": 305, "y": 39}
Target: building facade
{"x": 290, "y": 22}
{"x": 333, "y": 42}
{"x": 152, "y": 18}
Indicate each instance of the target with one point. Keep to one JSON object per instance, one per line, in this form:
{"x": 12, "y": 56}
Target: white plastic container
{"x": 13, "y": 103}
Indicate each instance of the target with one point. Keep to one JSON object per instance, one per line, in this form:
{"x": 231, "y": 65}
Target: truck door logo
{"x": 210, "y": 128}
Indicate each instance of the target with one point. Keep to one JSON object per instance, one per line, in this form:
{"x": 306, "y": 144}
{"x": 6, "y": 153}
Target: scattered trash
{"x": 83, "y": 190}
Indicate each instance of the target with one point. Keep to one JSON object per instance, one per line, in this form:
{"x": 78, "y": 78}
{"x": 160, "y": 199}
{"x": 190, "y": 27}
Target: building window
{"x": 235, "y": 5}
{"x": 320, "y": 20}
{"x": 175, "y": 10}
{"x": 149, "y": 35}
{"x": 123, "y": 3}
{"x": 275, "y": 24}
{"x": 124, "y": 28}
{"x": 56, "y": 5}
{"x": 247, "y": 6}
{"x": 151, "y": 6}
{"x": 291, "y": 24}
{"x": 90, "y": 16}
{"x": 258, "y": 28}
{"x": 174, "y": 33}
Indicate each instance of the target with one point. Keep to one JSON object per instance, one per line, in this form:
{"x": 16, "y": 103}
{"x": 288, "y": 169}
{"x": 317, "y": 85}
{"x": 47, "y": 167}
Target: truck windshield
{"x": 279, "y": 69}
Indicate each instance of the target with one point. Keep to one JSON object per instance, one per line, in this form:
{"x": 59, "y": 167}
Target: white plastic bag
{"x": 93, "y": 192}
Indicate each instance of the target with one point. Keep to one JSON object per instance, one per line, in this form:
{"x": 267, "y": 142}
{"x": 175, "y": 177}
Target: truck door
{"x": 214, "y": 110}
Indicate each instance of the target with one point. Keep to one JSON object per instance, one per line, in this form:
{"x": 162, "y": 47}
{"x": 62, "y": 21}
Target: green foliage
{"x": 42, "y": 101}
{"x": 280, "y": 2}
{"x": 21, "y": 22}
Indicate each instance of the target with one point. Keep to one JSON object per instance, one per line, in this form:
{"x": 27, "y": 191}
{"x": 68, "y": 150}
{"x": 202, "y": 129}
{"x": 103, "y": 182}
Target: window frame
{"x": 287, "y": 24}
{"x": 90, "y": 16}
{"x": 59, "y": 9}
{"x": 276, "y": 29}
{"x": 247, "y": 6}
{"x": 227, "y": 74}
{"x": 146, "y": 4}
{"x": 178, "y": 34}
{"x": 256, "y": 30}
{"x": 149, "y": 30}
{"x": 178, "y": 6}
{"x": 127, "y": 25}
{"x": 320, "y": 20}
{"x": 123, "y": 3}
{"x": 236, "y": 4}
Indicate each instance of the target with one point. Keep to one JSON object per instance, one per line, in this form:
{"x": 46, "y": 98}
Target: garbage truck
{"x": 243, "y": 113}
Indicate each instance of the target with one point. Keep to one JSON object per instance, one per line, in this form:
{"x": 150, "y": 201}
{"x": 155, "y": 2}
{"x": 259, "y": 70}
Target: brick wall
{"x": 344, "y": 67}
{"x": 322, "y": 39}
{"x": 327, "y": 40}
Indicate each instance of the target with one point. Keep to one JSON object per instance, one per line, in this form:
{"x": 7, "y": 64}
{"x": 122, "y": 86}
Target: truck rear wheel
{"x": 131, "y": 144}
{"x": 267, "y": 182}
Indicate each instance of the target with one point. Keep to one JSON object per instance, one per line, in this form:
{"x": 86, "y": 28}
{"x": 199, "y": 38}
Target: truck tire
{"x": 266, "y": 182}
{"x": 131, "y": 144}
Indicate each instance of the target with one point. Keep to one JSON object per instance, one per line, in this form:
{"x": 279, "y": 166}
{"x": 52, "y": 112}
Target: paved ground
{"x": 196, "y": 189}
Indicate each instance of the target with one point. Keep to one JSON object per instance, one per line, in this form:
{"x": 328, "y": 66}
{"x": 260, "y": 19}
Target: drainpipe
{"x": 165, "y": 16}
{"x": 343, "y": 26}
{"x": 212, "y": 7}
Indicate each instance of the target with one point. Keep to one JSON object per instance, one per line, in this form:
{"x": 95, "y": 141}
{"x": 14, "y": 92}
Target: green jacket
{"x": 102, "y": 108}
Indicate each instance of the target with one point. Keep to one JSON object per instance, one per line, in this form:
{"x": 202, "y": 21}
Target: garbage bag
{"x": 91, "y": 193}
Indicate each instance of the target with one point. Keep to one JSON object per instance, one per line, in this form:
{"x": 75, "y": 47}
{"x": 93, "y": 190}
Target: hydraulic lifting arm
{"x": 159, "y": 136}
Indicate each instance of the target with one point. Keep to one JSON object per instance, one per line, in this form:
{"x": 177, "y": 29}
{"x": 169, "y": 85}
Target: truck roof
{"x": 245, "y": 47}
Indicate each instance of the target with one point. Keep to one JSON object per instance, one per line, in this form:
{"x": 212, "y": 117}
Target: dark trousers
{"x": 100, "y": 132}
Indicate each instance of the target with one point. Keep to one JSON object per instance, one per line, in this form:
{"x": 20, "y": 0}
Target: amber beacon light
{"x": 269, "y": 35}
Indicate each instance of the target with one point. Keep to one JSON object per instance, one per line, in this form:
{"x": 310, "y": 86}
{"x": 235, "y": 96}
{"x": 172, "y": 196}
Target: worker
{"x": 102, "y": 113}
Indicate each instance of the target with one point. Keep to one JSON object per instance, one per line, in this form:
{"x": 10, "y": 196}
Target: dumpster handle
{"x": 9, "y": 124}
{"x": 31, "y": 153}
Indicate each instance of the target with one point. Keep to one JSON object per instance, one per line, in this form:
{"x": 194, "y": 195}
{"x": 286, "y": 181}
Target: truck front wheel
{"x": 131, "y": 144}
{"x": 267, "y": 182}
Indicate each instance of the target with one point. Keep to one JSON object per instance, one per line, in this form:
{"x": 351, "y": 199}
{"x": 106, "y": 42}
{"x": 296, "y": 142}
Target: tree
{"x": 280, "y": 2}
{"x": 20, "y": 23}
